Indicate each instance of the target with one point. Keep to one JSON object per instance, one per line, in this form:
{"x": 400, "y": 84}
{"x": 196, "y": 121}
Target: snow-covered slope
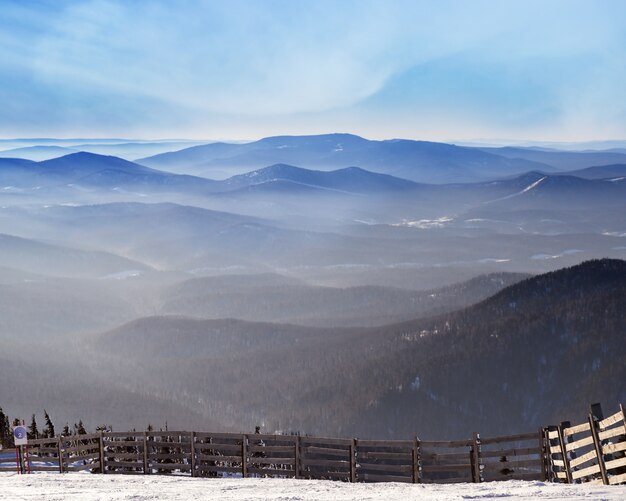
{"x": 86, "y": 487}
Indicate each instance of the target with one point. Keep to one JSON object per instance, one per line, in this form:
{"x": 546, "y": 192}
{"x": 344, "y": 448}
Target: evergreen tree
{"x": 5, "y": 429}
{"x": 66, "y": 430}
{"x": 33, "y": 431}
{"x": 48, "y": 431}
{"x": 80, "y": 429}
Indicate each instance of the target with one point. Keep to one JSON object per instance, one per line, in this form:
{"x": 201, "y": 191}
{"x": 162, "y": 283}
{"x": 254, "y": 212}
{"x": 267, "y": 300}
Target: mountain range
{"x": 313, "y": 283}
{"x": 420, "y": 161}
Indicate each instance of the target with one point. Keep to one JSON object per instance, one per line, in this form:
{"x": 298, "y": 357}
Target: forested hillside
{"x": 536, "y": 352}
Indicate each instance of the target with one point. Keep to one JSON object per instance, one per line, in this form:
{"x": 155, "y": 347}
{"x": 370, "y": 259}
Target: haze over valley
{"x": 346, "y": 219}
{"x": 308, "y": 296}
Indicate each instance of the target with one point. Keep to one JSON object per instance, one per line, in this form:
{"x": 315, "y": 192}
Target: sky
{"x": 549, "y": 70}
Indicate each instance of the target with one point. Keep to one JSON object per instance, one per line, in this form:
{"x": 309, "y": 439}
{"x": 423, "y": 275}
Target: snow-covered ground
{"x": 87, "y": 487}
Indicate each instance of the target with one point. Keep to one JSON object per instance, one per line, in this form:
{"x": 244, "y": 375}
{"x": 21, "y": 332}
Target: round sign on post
{"x": 20, "y": 435}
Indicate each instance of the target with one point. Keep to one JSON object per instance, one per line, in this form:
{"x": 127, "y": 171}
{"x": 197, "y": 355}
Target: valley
{"x": 319, "y": 284}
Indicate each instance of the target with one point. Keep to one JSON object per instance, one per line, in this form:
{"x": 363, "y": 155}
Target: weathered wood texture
{"x": 594, "y": 451}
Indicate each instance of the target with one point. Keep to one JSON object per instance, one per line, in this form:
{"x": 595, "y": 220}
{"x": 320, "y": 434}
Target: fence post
{"x": 593, "y": 427}
{"x": 193, "y": 453}
{"x": 417, "y": 477}
{"x": 544, "y": 447}
{"x": 296, "y": 465}
{"x": 60, "y": 448}
{"x": 101, "y": 451}
{"x": 145, "y": 453}
{"x": 596, "y": 411}
{"x": 244, "y": 455}
{"x": 475, "y": 459}
{"x": 353, "y": 461}
{"x": 568, "y": 470}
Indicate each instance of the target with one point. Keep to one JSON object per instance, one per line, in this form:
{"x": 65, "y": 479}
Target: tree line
{"x": 48, "y": 431}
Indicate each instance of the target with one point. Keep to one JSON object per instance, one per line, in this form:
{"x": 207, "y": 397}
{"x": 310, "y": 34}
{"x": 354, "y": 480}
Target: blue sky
{"x": 444, "y": 70}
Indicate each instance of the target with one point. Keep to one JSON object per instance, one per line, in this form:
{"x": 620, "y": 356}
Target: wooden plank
{"x": 615, "y": 418}
{"x": 416, "y": 461}
{"x": 219, "y": 447}
{"x": 33, "y": 442}
{"x": 326, "y": 441}
{"x": 561, "y": 474}
{"x": 273, "y": 448}
{"x": 553, "y": 435}
{"x": 509, "y": 438}
{"x": 583, "y": 459}
{"x": 353, "y": 461}
{"x": 80, "y": 448}
{"x": 529, "y": 451}
{"x": 573, "y": 430}
{"x": 590, "y": 470}
{"x": 555, "y": 449}
{"x": 512, "y": 464}
{"x": 61, "y": 456}
{"x": 271, "y": 471}
{"x": 543, "y": 454}
{"x": 244, "y": 455}
{"x": 272, "y": 460}
{"x": 42, "y": 468}
{"x": 598, "y": 449}
{"x": 297, "y": 457}
{"x": 386, "y": 467}
{"x": 84, "y": 457}
{"x": 123, "y": 443}
{"x": 617, "y": 479}
{"x": 167, "y": 434}
{"x": 430, "y": 456}
{"x": 444, "y": 444}
{"x": 325, "y": 462}
{"x": 101, "y": 451}
{"x": 614, "y": 432}
{"x": 407, "y": 456}
{"x": 210, "y": 457}
{"x": 171, "y": 455}
{"x": 328, "y": 452}
{"x": 558, "y": 462}
{"x": 568, "y": 470}
{"x": 219, "y": 469}
{"x": 86, "y": 436}
{"x": 144, "y": 452}
{"x": 121, "y": 434}
{"x": 447, "y": 467}
{"x": 193, "y": 454}
{"x": 475, "y": 458}
{"x": 369, "y": 477}
{"x": 123, "y": 455}
{"x": 408, "y": 444}
{"x": 288, "y": 439}
{"x": 123, "y": 464}
{"x": 579, "y": 443}
{"x": 611, "y": 448}
{"x": 170, "y": 466}
{"x": 615, "y": 463}
{"x": 223, "y": 436}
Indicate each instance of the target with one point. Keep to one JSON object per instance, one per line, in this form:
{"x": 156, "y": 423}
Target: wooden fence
{"x": 592, "y": 451}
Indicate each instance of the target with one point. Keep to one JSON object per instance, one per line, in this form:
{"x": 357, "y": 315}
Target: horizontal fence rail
{"x": 593, "y": 451}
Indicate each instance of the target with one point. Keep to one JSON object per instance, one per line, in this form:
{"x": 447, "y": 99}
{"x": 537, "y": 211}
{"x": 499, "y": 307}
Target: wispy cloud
{"x": 512, "y": 66}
